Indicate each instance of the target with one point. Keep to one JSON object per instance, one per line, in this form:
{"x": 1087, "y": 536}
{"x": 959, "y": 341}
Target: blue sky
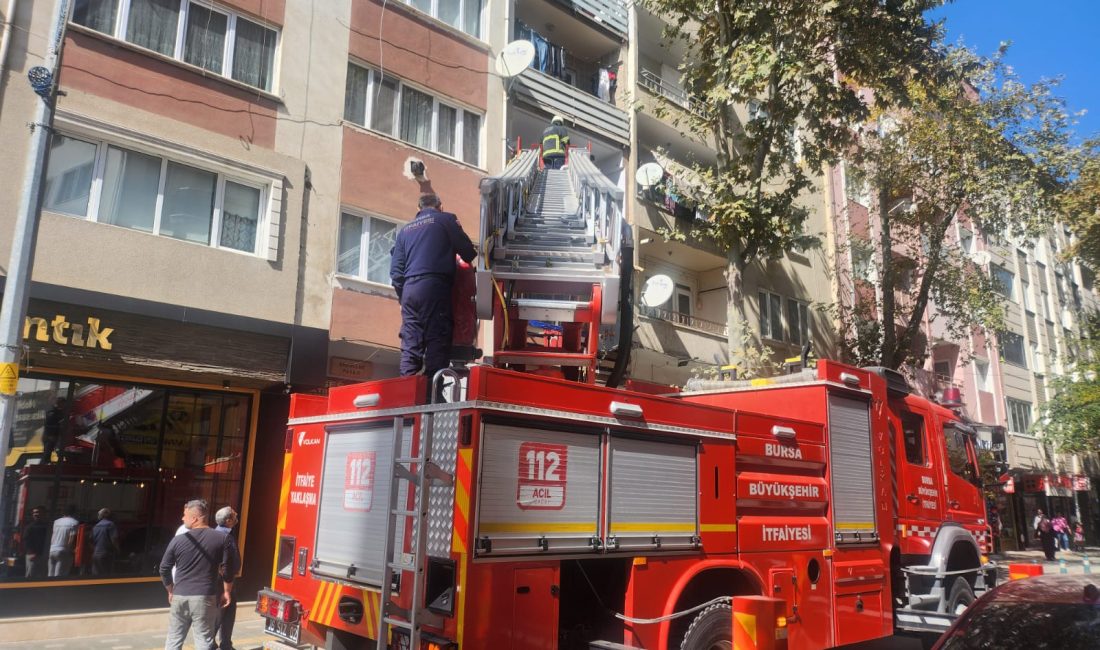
{"x": 1049, "y": 38}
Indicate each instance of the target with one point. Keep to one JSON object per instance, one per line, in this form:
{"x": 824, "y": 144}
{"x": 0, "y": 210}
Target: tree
{"x": 1082, "y": 206}
{"x": 781, "y": 57}
{"x": 975, "y": 145}
{"x": 1071, "y": 418}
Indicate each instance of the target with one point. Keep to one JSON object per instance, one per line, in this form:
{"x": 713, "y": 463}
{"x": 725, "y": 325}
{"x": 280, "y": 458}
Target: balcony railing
{"x": 655, "y": 84}
{"x": 611, "y": 13}
{"x": 585, "y": 110}
{"x": 687, "y": 320}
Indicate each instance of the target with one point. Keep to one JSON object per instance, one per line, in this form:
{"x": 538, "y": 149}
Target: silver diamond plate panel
{"x": 441, "y": 498}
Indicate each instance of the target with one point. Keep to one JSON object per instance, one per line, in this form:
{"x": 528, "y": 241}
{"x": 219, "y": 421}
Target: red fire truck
{"x": 519, "y": 505}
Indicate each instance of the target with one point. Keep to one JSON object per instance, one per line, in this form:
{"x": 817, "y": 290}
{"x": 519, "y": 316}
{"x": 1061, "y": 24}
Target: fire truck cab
{"x": 550, "y": 514}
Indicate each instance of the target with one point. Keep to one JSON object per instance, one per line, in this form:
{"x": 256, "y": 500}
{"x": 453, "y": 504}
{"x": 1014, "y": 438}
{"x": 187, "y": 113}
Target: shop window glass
{"x": 139, "y": 451}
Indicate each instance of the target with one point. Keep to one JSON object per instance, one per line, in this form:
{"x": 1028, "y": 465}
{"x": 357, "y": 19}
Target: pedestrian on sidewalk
{"x": 206, "y": 565}
{"x": 1045, "y": 530}
{"x": 1061, "y": 530}
{"x": 226, "y": 519}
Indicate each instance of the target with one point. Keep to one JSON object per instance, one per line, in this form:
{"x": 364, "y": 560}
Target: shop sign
{"x": 354, "y": 369}
{"x": 1035, "y": 483}
{"x": 1010, "y": 486}
{"x": 90, "y": 334}
{"x": 1081, "y": 483}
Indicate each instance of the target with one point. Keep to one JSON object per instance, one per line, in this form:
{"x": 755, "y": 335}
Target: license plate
{"x": 288, "y": 631}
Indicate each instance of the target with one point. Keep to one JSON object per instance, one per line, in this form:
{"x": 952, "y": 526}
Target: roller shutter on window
{"x": 853, "y": 486}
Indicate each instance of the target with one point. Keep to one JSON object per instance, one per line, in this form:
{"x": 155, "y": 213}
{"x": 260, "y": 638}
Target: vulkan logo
{"x": 302, "y": 442}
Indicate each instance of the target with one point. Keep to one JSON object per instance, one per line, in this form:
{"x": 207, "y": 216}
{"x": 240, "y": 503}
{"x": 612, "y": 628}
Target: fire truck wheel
{"x": 960, "y": 596}
{"x": 712, "y": 629}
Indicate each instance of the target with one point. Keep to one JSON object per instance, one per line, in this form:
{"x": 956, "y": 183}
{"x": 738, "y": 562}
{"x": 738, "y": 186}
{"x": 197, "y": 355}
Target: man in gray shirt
{"x": 205, "y": 564}
{"x": 63, "y": 543}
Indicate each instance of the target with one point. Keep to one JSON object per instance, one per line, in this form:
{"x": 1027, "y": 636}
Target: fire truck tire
{"x": 712, "y": 629}
{"x": 960, "y": 596}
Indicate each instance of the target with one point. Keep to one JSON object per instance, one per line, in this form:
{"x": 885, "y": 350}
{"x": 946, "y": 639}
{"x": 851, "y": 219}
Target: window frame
{"x": 922, "y": 438}
{"x": 764, "y": 298}
{"x": 682, "y": 291}
{"x": 433, "y": 145}
{"x": 803, "y": 308}
{"x": 434, "y": 14}
{"x": 364, "y": 245}
{"x": 223, "y": 175}
{"x": 1014, "y": 409}
{"x": 1009, "y": 291}
{"x": 121, "y": 26}
{"x": 1022, "y": 362}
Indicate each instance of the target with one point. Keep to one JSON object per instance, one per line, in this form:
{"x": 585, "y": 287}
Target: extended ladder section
{"x": 549, "y": 273}
{"x": 420, "y": 473}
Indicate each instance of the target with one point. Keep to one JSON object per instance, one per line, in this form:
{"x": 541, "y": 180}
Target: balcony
{"x": 579, "y": 108}
{"x": 612, "y": 14}
{"x": 685, "y": 320}
{"x": 653, "y": 82}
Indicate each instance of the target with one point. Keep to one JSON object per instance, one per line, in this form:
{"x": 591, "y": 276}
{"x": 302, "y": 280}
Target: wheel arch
{"x": 955, "y": 548}
{"x": 705, "y": 581}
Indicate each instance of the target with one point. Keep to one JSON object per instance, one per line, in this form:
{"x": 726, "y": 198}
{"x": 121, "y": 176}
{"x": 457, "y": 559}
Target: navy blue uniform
{"x": 422, "y": 269}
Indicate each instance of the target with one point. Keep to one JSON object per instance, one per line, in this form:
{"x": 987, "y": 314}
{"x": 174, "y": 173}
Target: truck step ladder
{"x": 419, "y": 473}
{"x": 549, "y": 272}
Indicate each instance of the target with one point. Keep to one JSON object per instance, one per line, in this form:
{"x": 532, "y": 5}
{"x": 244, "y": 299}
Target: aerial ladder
{"x": 555, "y": 270}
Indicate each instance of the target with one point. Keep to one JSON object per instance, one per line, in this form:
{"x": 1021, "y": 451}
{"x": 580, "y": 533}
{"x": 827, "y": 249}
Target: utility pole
{"x": 13, "y": 310}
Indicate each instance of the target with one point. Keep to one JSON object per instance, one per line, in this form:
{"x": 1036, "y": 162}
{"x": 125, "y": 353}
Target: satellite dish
{"x": 981, "y": 258}
{"x": 650, "y": 174}
{"x": 514, "y": 58}
{"x": 657, "y": 290}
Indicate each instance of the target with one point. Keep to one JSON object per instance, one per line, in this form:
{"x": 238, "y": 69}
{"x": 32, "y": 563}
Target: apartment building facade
{"x": 224, "y": 184}
{"x": 1003, "y": 379}
{"x": 225, "y": 181}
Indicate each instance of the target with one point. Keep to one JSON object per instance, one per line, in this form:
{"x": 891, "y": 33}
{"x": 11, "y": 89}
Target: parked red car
{"x": 1053, "y": 611}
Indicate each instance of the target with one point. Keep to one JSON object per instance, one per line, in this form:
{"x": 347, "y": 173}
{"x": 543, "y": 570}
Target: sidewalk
{"x": 1075, "y": 562}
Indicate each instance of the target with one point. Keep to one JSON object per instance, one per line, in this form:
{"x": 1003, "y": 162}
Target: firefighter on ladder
{"x": 422, "y": 268}
{"x": 555, "y": 140}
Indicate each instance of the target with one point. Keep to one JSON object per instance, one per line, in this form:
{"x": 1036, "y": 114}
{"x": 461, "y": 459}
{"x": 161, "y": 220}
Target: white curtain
{"x": 445, "y": 130}
{"x": 472, "y": 18}
{"x": 471, "y": 137}
{"x": 416, "y": 117}
{"x": 253, "y": 54}
{"x": 240, "y": 217}
{"x": 204, "y": 40}
{"x": 96, "y": 14}
{"x": 383, "y": 96}
{"x": 152, "y": 24}
{"x": 355, "y": 95}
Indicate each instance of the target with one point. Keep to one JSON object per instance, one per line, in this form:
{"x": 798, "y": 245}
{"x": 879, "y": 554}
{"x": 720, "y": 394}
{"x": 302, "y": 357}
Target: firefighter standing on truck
{"x": 422, "y": 269}
{"x": 555, "y": 140}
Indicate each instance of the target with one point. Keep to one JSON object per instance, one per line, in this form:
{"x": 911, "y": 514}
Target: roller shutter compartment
{"x": 653, "y": 495}
{"x": 852, "y": 474}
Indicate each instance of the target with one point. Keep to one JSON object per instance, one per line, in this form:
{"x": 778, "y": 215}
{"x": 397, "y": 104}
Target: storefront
{"x": 125, "y": 417}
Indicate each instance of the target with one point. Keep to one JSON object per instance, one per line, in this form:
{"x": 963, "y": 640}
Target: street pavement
{"x": 247, "y": 635}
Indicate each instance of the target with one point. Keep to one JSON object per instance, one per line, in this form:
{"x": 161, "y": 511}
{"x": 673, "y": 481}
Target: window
{"x": 958, "y": 459}
{"x": 1012, "y": 349}
{"x": 464, "y": 15}
{"x": 981, "y": 376}
{"x": 863, "y": 261}
{"x": 966, "y": 241}
{"x": 771, "y": 316}
{"x": 683, "y": 300}
{"x": 1003, "y": 281}
{"x": 798, "y": 321}
{"x": 1019, "y": 415}
{"x": 1037, "y": 359}
{"x": 110, "y": 184}
{"x": 1025, "y": 293}
{"x": 388, "y": 106}
{"x": 215, "y": 39}
{"x": 912, "y": 426}
{"x": 374, "y": 236}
